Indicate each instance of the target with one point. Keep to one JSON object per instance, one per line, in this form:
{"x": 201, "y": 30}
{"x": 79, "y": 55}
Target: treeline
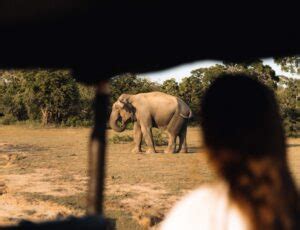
{"x": 191, "y": 88}
{"x": 54, "y": 97}
{"x": 46, "y": 96}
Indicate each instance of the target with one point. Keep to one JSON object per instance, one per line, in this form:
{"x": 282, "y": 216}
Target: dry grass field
{"x": 45, "y": 176}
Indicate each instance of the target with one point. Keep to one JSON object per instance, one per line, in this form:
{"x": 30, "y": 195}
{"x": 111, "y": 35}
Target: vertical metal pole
{"x": 96, "y": 162}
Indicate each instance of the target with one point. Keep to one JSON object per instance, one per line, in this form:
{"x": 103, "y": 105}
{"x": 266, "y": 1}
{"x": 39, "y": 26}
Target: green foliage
{"x": 190, "y": 91}
{"x": 86, "y": 97}
{"x": 53, "y": 94}
{"x": 159, "y": 137}
{"x": 11, "y": 95}
{"x": 289, "y": 101}
{"x": 207, "y": 75}
{"x": 129, "y": 126}
{"x": 171, "y": 87}
{"x": 7, "y": 120}
{"x": 255, "y": 69}
{"x": 289, "y": 64}
{"x": 75, "y": 121}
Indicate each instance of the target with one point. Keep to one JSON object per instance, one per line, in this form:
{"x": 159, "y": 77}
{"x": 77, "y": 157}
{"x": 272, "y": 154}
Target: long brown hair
{"x": 243, "y": 132}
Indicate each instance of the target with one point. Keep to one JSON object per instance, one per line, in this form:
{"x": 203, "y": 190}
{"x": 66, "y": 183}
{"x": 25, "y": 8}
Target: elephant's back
{"x": 164, "y": 102}
{"x": 159, "y": 100}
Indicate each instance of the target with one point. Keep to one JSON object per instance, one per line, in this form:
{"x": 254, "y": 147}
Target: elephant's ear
{"x": 124, "y": 98}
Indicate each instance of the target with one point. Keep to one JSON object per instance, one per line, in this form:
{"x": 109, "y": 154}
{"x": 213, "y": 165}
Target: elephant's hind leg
{"x": 174, "y": 129}
{"x": 182, "y": 140}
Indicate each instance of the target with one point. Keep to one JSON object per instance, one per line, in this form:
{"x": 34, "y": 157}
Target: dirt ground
{"x": 44, "y": 176}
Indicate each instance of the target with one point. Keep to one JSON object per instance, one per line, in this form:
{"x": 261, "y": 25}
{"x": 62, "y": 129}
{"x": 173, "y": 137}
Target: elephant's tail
{"x": 187, "y": 117}
{"x": 179, "y": 119}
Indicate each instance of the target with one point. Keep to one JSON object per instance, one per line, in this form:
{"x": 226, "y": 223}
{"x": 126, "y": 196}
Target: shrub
{"x": 120, "y": 139}
{"x": 8, "y": 119}
{"x": 159, "y": 137}
{"x": 75, "y": 121}
{"x": 129, "y": 126}
{"x": 72, "y": 121}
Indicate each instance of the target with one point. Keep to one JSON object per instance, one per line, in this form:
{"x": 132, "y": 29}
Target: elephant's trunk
{"x": 113, "y": 122}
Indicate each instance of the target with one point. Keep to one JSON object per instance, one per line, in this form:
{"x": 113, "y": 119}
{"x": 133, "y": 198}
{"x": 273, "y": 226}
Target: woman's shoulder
{"x": 208, "y": 207}
{"x": 205, "y": 194}
{"x": 197, "y": 207}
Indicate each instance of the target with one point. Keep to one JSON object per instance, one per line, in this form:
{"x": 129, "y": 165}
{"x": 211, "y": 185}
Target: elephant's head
{"x": 122, "y": 111}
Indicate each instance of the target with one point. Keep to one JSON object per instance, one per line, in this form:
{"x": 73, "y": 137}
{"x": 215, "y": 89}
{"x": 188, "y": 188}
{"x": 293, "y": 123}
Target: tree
{"x": 52, "y": 95}
{"x": 171, "y": 87}
{"x": 86, "y": 97}
{"x": 11, "y": 95}
{"x": 289, "y": 64}
{"x": 288, "y": 97}
{"x": 131, "y": 84}
{"x": 208, "y": 75}
{"x": 190, "y": 90}
{"x": 256, "y": 69}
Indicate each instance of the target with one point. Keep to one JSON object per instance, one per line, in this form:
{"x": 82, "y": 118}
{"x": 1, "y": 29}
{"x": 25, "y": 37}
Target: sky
{"x": 182, "y": 71}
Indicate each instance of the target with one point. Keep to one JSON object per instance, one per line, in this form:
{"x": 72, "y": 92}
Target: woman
{"x": 246, "y": 145}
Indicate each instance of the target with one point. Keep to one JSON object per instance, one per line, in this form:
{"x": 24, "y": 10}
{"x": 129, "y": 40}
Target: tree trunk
{"x": 45, "y": 116}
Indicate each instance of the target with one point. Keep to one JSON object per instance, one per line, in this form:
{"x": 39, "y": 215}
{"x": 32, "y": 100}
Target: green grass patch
{"x": 120, "y": 139}
{"x": 159, "y": 138}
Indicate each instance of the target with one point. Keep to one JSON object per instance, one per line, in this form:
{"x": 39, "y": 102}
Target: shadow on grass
{"x": 77, "y": 202}
{"x": 118, "y": 218}
{"x": 192, "y": 150}
{"x": 24, "y": 148}
{"x": 293, "y": 145}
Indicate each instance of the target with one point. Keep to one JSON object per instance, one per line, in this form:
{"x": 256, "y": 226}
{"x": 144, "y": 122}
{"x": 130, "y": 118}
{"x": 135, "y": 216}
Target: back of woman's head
{"x": 243, "y": 132}
{"x": 240, "y": 114}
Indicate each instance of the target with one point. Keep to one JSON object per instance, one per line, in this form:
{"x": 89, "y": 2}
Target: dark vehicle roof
{"x": 100, "y": 39}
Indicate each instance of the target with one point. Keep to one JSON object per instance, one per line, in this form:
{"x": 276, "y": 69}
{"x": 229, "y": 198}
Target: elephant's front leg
{"x": 171, "y": 143}
{"x": 147, "y": 133}
{"x": 137, "y": 138}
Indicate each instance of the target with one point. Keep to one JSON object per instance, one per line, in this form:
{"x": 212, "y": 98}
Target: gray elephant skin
{"x": 154, "y": 109}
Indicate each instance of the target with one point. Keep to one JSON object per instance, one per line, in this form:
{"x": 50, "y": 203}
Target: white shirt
{"x": 205, "y": 208}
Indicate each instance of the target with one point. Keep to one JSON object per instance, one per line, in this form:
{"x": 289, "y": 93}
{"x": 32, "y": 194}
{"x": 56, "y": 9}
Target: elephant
{"x": 153, "y": 109}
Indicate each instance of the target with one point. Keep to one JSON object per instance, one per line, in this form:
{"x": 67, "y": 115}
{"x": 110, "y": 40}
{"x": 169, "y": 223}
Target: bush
{"x": 8, "y": 120}
{"x": 159, "y": 137}
{"x": 75, "y": 121}
{"x": 72, "y": 121}
{"x": 120, "y": 139}
{"x": 129, "y": 126}
{"x": 291, "y": 128}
